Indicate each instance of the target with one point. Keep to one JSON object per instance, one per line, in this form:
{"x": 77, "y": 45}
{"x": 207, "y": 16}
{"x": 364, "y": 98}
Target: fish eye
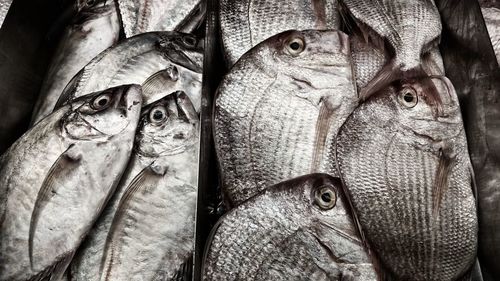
{"x": 189, "y": 40}
{"x": 325, "y": 197}
{"x": 90, "y": 2}
{"x": 295, "y": 46}
{"x": 157, "y": 115}
{"x": 101, "y": 102}
{"x": 408, "y": 97}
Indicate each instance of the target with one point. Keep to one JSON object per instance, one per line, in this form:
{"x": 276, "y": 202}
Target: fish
{"x": 246, "y": 23}
{"x": 155, "y": 15}
{"x": 95, "y": 28}
{"x": 403, "y": 159}
{"x": 55, "y": 180}
{"x": 149, "y": 59}
{"x": 4, "y": 8}
{"x": 147, "y": 230}
{"x": 298, "y": 229}
{"x": 278, "y": 109}
{"x": 492, "y": 20}
{"x": 407, "y": 29}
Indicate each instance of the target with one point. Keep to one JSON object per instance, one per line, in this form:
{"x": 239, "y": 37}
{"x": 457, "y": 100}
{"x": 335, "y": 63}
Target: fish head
{"x": 182, "y": 49}
{"x": 104, "y": 115}
{"x": 167, "y": 127}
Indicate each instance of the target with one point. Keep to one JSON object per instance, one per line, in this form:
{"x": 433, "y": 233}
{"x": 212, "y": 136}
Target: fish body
{"x": 492, "y": 20}
{"x": 246, "y": 23}
{"x": 289, "y": 232}
{"x": 95, "y": 28}
{"x": 57, "y": 177}
{"x": 154, "y": 15}
{"x": 403, "y": 158}
{"x": 138, "y": 58}
{"x": 278, "y": 109}
{"x": 146, "y": 232}
{"x": 411, "y": 29}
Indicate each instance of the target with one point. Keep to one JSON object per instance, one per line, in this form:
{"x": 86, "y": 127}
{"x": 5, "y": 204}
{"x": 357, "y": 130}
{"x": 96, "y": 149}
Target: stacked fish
{"x": 339, "y": 138}
{"x": 104, "y": 184}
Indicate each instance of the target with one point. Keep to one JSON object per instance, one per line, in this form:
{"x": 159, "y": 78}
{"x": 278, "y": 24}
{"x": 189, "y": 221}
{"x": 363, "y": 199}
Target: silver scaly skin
{"x": 95, "y": 28}
{"x": 137, "y": 60}
{"x": 246, "y": 23}
{"x": 4, "y": 9}
{"x": 299, "y": 229}
{"x": 142, "y": 16}
{"x": 403, "y": 158}
{"x": 279, "y": 107}
{"x": 411, "y": 28}
{"x": 149, "y": 221}
{"x": 492, "y": 19}
{"x": 55, "y": 180}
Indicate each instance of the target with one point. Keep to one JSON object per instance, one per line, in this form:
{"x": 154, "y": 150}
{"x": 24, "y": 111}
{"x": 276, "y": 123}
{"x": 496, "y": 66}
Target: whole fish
{"x": 299, "y": 229}
{"x": 246, "y": 23}
{"x": 403, "y": 158}
{"x": 411, "y": 29}
{"x": 95, "y": 28}
{"x": 138, "y": 60}
{"x": 151, "y": 235}
{"x": 155, "y": 15}
{"x": 279, "y": 107}
{"x": 166, "y": 149}
{"x": 492, "y": 20}
{"x": 58, "y": 176}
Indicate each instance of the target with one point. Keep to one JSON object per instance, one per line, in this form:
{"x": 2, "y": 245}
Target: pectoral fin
{"x": 185, "y": 271}
{"x": 441, "y": 181}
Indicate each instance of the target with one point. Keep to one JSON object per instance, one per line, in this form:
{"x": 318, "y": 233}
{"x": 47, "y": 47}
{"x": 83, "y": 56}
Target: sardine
{"x": 57, "y": 177}
{"x": 279, "y": 107}
{"x": 246, "y": 23}
{"x": 95, "y": 28}
{"x": 411, "y": 29}
{"x": 299, "y": 229}
{"x": 151, "y": 234}
{"x": 403, "y": 158}
{"x": 154, "y": 15}
{"x": 137, "y": 60}
{"x": 492, "y": 20}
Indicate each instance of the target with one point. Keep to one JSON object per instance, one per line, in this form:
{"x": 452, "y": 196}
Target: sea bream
{"x": 403, "y": 158}
{"x": 299, "y": 229}
{"x": 246, "y": 23}
{"x": 151, "y": 234}
{"x": 55, "y": 180}
{"x": 278, "y": 109}
{"x": 407, "y": 29}
{"x": 94, "y": 28}
{"x": 137, "y": 60}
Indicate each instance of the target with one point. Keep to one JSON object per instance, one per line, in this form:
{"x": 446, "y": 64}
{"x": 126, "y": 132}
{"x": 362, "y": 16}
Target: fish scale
{"x": 491, "y": 18}
{"x": 246, "y": 23}
{"x": 394, "y": 199}
{"x": 267, "y": 123}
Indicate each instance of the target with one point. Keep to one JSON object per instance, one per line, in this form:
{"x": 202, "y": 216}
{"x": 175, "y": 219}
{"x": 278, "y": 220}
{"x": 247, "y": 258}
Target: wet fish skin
{"x": 154, "y": 15}
{"x": 151, "y": 236}
{"x": 492, "y": 19}
{"x": 289, "y": 232}
{"x": 95, "y": 28}
{"x": 138, "y": 58}
{"x": 56, "y": 178}
{"x": 411, "y": 28}
{"x": 275, "y": 113}
{"x": 246, "y": 23}
{"x": 4, "y": 8}
{"x": 415, "y": 199}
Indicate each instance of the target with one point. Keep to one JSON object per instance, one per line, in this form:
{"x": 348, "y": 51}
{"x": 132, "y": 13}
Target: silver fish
{"x": 300, "y": 229}
{"x": 151, "y": 236}
{"x": 4, "y": 9}
{"x": 279, "y": 107}
{"x": 154, "y": 15}
{"x": 95, "y": 28}
{"x": 403, "y": 158}
{"x": 137, "y": 60}
{"x": 57, "y": 177}
{"x": 492, "y": 20}
{"x": 411, "y": 28}
{"x": 246, "y": 23}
